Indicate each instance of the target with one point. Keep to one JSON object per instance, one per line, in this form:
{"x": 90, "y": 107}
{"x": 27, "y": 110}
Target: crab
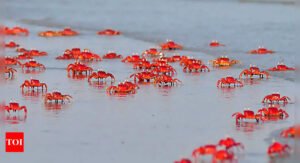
{"x": 187, "y": 61}
{"x": 10, "y": 72}
{"x": 79, "y": 68}
{"x": 229, "y": 142}
{"x": 143, "y": 76}
{"x": 112, "y": 55}
{"x": 87, "y": 55}
{"x": 122, "y": 88}
{"x": 165, "y": 80}
{"x": 184, "y": 160}
{"x": 33, "y": 83}
{"x": 48, "y": 34}
{"x": 10, "y": 61}
{"x": 254, "y": 71}
{"x": 100, "y": 75}
{"x": 275, "y": 98}
{"x": 196, "y": 67}
{"x": 133, "y": 58}
{"x": 261, "y": 50}
{"x": 33, "y": 64}
{"x": 66, "y": 56}
{"x": 208, "y": 149}
{"x": 109, "y": 32}
{"x": 16, "y": 31}
{"x": 143, "y": 65}
{"x": 68, "y": 32}
{"x": 223, "y": 61}
{"x": 228, "y": 81}
{"x": 281, "y": 67}
{"x": 35, "y": 53}
{"x": 278, "y": 149}
{"x": 152, "y": 52}
{"x": 164, "y": 70}
{"x": 273, "y": 112}
{"x": 170, "y": 45}
{"x": 247, "y": 114}
{"x": 291, "y": 132}
{"x": 23, "y": 56}
{"x": 20, "y": 49}
{"x": 11, "y": 44}
{"x": 223, "y": 155}
{"x": 175, "y": 58}
{"x": 57, "y": 96}
{"x": 215, "y": 43}
{"x": 15, "y": 107}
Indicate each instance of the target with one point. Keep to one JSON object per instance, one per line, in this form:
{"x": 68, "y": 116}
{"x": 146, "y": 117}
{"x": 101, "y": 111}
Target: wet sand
{"x": 156, "y": 124}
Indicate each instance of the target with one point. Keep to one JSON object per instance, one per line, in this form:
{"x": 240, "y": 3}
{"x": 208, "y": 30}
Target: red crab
{"x": 16, "y": 31}
{"x": 49, "y": 34}
{"x": 281, "y": 67}
{"x": 170, "y": 45}
{"x": 10, "y": 72}
{"x": 223, "y": 61}
{"x": 274, "y": 112}
{"x": 165, "y": 80}
{"x": 100, "y": 75}
{"x": 56, "y": 96}
{"x": 175, "y": 58}
{"x": 109, "y": 32}
{"x": 33, "y": 83}
{"x": 228, "y": 81}
{"x": 152, "y": 52}
{"x": 87, "y": 55}
{"x": 291, "y": 132}
{"x": 164, "y": 70}
{"x": 275, "y": 97}
{"x": 133, "y": 58}
{"x": 208, "y": 149}
{"x": 68, "y": 32}
{"x": 33, "y": 64}
{"x": 11, "y": 44}
{"x": 79, "y": 68}
{"x": 14, "y": 106}
{"x": 252, "y": 71}
{"x": 187, "y": 61}
{"x": 279, "y": 149}
{"x": 184, "y": 160}
{"x": 122, "y": 88}
{"x": 261, "y": 50}
{"x": 35, "y": 53}
{"x": 223, "y": 155}
{"x": 143, "y": 76}
{"x": 143, "y": 65}
{"x": 215, "y": 43}
{"x": 66, "y": 56}
{"x": 247, "y": 114}
{"x": 230, "y": 143}
{"x": 20, "y": 49}
{"x": 10, "y": 61}
{"x": 23, "y": 56}
{"x": 112, "y": 55}
{"x": 196, "y": 67}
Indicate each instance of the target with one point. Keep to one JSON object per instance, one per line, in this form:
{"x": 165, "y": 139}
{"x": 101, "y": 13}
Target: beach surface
{"x": 156, "y": 125}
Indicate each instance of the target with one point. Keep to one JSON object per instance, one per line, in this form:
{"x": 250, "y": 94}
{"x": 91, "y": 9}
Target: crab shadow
{"x": 56, "y": 107}
{"x": 15, "y": 119}
{"x": 100, "y": 84}
{"x": 248, "y": 127}
{"x": 33, "y": 71}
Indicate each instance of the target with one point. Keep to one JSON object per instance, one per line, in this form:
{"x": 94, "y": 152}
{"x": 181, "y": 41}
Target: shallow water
{"x": 156, "y": 124}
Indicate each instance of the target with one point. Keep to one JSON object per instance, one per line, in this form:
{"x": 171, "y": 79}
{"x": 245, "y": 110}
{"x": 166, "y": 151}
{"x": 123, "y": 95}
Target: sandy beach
{"x": 156, "y": 125}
